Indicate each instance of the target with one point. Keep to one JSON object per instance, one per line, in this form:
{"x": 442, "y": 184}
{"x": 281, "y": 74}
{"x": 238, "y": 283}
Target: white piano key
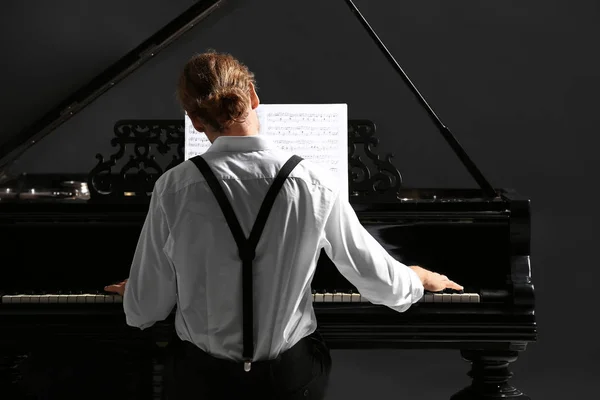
{"x": 337, "y": 298}
{"x": 21, "y": 298}
{"x": 62, "y": 298}
{"x": 346, "y": 297}
{"x": 455, "y": 298}
{"x": 104, "y": 298}
{"x": 446, "y": 297}
{"x": 473, "y": 298}
{"x": 44, "y": 298}
{"x": 72, "y": 298}
{"x": 34, "y": 298}
{"x": 328, "y": 297}
{"x": 6, "y": 299}
{"x": 428, "y": 298}
{"x": 355, "y": 298}
{"x": 437, "y": 298}
{"x": 80, "y": 298}
{"x": 54, "y": 298}
{"x": 319, "y": 298}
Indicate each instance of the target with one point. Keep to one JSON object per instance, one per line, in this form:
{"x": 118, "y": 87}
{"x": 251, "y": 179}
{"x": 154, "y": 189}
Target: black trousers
{"x": 301, "y": 372}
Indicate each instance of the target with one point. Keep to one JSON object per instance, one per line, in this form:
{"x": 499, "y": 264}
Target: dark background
{"x": 515, "y": 81}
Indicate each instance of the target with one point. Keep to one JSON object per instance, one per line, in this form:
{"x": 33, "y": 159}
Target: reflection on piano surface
{"x": 70, "y": 235}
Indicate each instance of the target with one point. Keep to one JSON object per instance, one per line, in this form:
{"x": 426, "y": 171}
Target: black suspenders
{"x": 246, "y": 247}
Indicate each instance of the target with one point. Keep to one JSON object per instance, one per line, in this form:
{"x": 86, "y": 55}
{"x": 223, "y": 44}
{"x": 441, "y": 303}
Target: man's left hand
{"x": 118, "y": 288}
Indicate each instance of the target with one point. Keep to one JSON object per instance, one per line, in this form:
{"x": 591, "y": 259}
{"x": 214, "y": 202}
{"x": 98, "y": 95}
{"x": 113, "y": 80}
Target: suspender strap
{"x": 246, "y": 247}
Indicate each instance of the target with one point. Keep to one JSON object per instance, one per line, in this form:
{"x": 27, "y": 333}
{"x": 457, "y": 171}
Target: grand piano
{"x": 64, "y": 237}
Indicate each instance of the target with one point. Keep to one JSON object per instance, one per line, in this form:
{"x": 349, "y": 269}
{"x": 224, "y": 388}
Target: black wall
{"x": 515, "y": 81}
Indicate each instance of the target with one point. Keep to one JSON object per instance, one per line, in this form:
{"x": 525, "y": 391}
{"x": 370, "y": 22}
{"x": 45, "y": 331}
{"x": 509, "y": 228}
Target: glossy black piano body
{"x": 77, "y": 246}
{"x": 71, "y": 235}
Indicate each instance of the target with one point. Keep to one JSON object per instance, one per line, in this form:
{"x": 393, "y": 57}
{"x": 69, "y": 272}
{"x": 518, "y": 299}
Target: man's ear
{"x": 198, "y": 125}
{"x": 254, "y": 100}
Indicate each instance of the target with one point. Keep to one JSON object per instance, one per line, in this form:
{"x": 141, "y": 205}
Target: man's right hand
{"x": 434, "y": 282}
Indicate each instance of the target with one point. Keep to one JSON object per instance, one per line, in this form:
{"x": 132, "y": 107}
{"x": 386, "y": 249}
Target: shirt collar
{"x": 240, "y": 143}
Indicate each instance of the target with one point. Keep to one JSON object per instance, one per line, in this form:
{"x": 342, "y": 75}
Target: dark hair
{"x": 215, "y": 87}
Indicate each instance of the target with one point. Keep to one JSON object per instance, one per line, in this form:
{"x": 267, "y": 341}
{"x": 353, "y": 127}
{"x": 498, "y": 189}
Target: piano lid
{"x": 17, "y": 145}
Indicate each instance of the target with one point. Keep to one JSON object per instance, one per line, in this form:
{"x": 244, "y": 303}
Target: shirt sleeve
{"x": 150, "y": 292}
{"x": 362, "y": 260}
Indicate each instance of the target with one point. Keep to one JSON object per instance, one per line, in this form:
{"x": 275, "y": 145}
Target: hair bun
{"x": 229, "y": 96}
{"x": 229, "y": 105}
{"x": 216, "y": 88}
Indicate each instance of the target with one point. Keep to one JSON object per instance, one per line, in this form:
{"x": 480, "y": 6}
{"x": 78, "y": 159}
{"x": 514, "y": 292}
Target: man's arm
{"x": 365, "y": 263}
{"x": 151, "y": 290}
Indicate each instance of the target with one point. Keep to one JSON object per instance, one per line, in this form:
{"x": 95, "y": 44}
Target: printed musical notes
{"x": 301, "y": 117}
{"x": 316, "y": 132}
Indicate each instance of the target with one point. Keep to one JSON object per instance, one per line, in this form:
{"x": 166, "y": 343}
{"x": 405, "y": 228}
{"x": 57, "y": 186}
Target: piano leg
{"x": 490, "y": 374}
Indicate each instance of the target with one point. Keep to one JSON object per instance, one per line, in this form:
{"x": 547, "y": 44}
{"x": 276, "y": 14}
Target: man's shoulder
{"x": 176, "y": 178}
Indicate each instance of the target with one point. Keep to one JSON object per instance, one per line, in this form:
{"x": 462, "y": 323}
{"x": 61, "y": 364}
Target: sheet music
{"x": 315, "y": 132}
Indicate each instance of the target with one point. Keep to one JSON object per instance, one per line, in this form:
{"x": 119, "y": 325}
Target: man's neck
{"x": 233, "y": 133}
{"x": 250, "y": 127}
{"x": 241, "y": 133}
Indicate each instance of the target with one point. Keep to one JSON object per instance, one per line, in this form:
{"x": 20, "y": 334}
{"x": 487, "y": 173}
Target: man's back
{"x": 204, "y": 255}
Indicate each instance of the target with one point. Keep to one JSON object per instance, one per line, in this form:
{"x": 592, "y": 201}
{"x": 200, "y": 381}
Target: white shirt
{"x": 186, "y": 254}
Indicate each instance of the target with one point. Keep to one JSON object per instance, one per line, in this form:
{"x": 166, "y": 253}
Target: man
{"x": 189, "y": 253}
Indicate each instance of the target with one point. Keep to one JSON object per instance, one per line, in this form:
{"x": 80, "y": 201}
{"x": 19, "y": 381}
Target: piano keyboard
{"x": 62, "y": 298}
{"x": 317, "y": 298}
{"x": 427, "y": 298}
